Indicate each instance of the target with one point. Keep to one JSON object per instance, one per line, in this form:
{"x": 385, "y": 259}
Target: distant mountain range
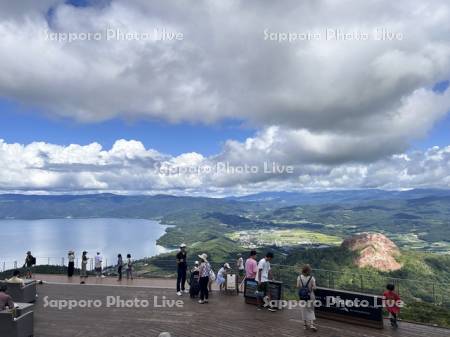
{"x": 112, "y": 205}
{"x": 337, "y": 197}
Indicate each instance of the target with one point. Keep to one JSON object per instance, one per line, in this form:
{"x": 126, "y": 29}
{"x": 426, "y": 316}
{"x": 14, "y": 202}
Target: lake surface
{"x": 52, "y": 238}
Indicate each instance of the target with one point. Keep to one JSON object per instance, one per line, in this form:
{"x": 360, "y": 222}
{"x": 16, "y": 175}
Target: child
{"x": 391, "y": 304}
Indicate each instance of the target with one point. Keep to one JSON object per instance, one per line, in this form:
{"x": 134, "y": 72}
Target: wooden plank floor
{"x": 224, "y": 316}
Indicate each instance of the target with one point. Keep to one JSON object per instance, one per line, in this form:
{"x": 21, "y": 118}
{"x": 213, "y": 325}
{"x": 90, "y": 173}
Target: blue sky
{"x": 24, "y": 125}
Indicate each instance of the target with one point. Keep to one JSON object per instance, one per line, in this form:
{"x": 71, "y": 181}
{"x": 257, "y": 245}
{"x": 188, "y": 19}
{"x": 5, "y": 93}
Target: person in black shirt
{"x": 181, "y": 270}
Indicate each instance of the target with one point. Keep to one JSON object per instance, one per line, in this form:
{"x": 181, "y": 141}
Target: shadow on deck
{"x": 223, "y": 316}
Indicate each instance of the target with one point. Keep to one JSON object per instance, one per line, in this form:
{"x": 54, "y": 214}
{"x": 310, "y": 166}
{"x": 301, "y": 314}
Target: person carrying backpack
{"x": 306, "y": 284}
{"x": 30, "y": 261}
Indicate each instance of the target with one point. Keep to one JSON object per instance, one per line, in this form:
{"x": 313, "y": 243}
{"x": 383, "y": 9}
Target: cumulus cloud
{"x": 341, "y": 112}
{"x": 128, "y": 167}
{"x": 324, "y": 101}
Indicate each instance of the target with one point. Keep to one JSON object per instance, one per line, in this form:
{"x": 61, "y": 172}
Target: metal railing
{"x": 352, "y": 280}
{"x": 6, "y": 265}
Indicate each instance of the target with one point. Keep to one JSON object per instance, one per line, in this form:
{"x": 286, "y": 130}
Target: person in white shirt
{"x": 263, "y": 276}
{"x": 98, "y": 264}
{"x": 221, "y": 274}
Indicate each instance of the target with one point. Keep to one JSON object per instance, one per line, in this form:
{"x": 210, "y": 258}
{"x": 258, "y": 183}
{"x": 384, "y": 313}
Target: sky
{"x": 99, "y": 96}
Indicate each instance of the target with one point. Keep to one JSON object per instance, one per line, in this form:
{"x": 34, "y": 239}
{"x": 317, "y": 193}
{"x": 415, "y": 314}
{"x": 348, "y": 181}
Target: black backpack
{"x": 33, "y": 260}
{"x": 304, "y": 293}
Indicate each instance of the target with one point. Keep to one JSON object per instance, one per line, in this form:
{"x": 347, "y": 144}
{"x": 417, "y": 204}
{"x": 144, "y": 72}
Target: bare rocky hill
{"x": 374, "y": 250}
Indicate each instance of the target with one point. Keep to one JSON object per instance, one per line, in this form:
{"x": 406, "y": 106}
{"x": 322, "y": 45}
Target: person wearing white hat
{"x": 205, "y": 271}
{"x": 221, "y": 274}
{"x": 181, "y": 270}
{"x": 71, "y": 265}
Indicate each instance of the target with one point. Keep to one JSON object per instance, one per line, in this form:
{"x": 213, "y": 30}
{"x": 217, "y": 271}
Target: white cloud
{"x": 130, "y": 168}
{"x": 343, "y": 113}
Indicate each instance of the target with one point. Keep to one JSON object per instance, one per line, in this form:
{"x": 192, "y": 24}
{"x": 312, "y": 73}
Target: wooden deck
{"x": 223, "y": 316}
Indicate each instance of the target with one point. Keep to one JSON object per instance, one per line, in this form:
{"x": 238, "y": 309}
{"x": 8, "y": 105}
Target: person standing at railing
{"x": 240, "y": 268}
{"x": 391, "y": 303}
{"x": 251, "y": 266}
{"x": 129, "y": 267}
{"x": 83, "y": 271}
{"x": 306, "y": 284}
{"x": 119, "y": 266}
{"x": 263, "y": 276}
{"x": 71, "y": 265}
{"x": 30, "y": 261}
{"x": 181, "y": 259}
{"x": 98, "y": 264}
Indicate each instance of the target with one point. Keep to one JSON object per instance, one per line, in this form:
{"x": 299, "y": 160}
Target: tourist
{"x": 391, "y": 303}
{"x": 194, "y": 281}
{"x": 71, "y": 265}
{"x": 181, "y": 269}
{"x": 83, "y": 271}
{"x": 129, "y": 267}
{"x": 30, "y": 261}
{"x": 5, "y": 299}
{"x": 119, "y": 266}
{"x": 204, "y": 271}
{"x": 98, "y": 264}
{"x": 263, "y": 276}
{"x": 212, "y": 278}
{"x": 251, "y": 266}
{"x": 240, "y": 268}
{"x": 306, "y": 284}
{"x": 16, "y": 278}
{"x": 221, "y": 276}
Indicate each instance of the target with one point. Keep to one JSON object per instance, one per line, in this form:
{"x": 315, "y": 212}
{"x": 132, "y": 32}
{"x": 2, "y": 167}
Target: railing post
{"x": 48, "y": 261}
{"x": 15, "y": 264}
{"x": 362, "y": 282}
{"x": 62, "y": 261}
{"x": 4, "y": 265}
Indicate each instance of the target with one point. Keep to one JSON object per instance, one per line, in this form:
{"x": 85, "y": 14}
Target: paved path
{"x": 224, "y": 316}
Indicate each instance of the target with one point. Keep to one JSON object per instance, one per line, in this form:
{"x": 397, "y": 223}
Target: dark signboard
{"x": 350, "y": 306}
{"x": 251, "y": 287}
{"x": 275, "y": 289}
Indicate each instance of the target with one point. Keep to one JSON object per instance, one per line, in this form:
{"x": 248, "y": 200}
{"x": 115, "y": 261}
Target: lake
{"x": 52, "y": 238}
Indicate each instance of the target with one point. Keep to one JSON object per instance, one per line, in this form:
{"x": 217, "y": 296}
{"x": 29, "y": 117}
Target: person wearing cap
{"x": 181, "y": 270}
{"x": 221, "y": 274}
{"x": 71, "y": 265}
{"x": 205, "y": 272}
{"x": 30, "y": 261}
